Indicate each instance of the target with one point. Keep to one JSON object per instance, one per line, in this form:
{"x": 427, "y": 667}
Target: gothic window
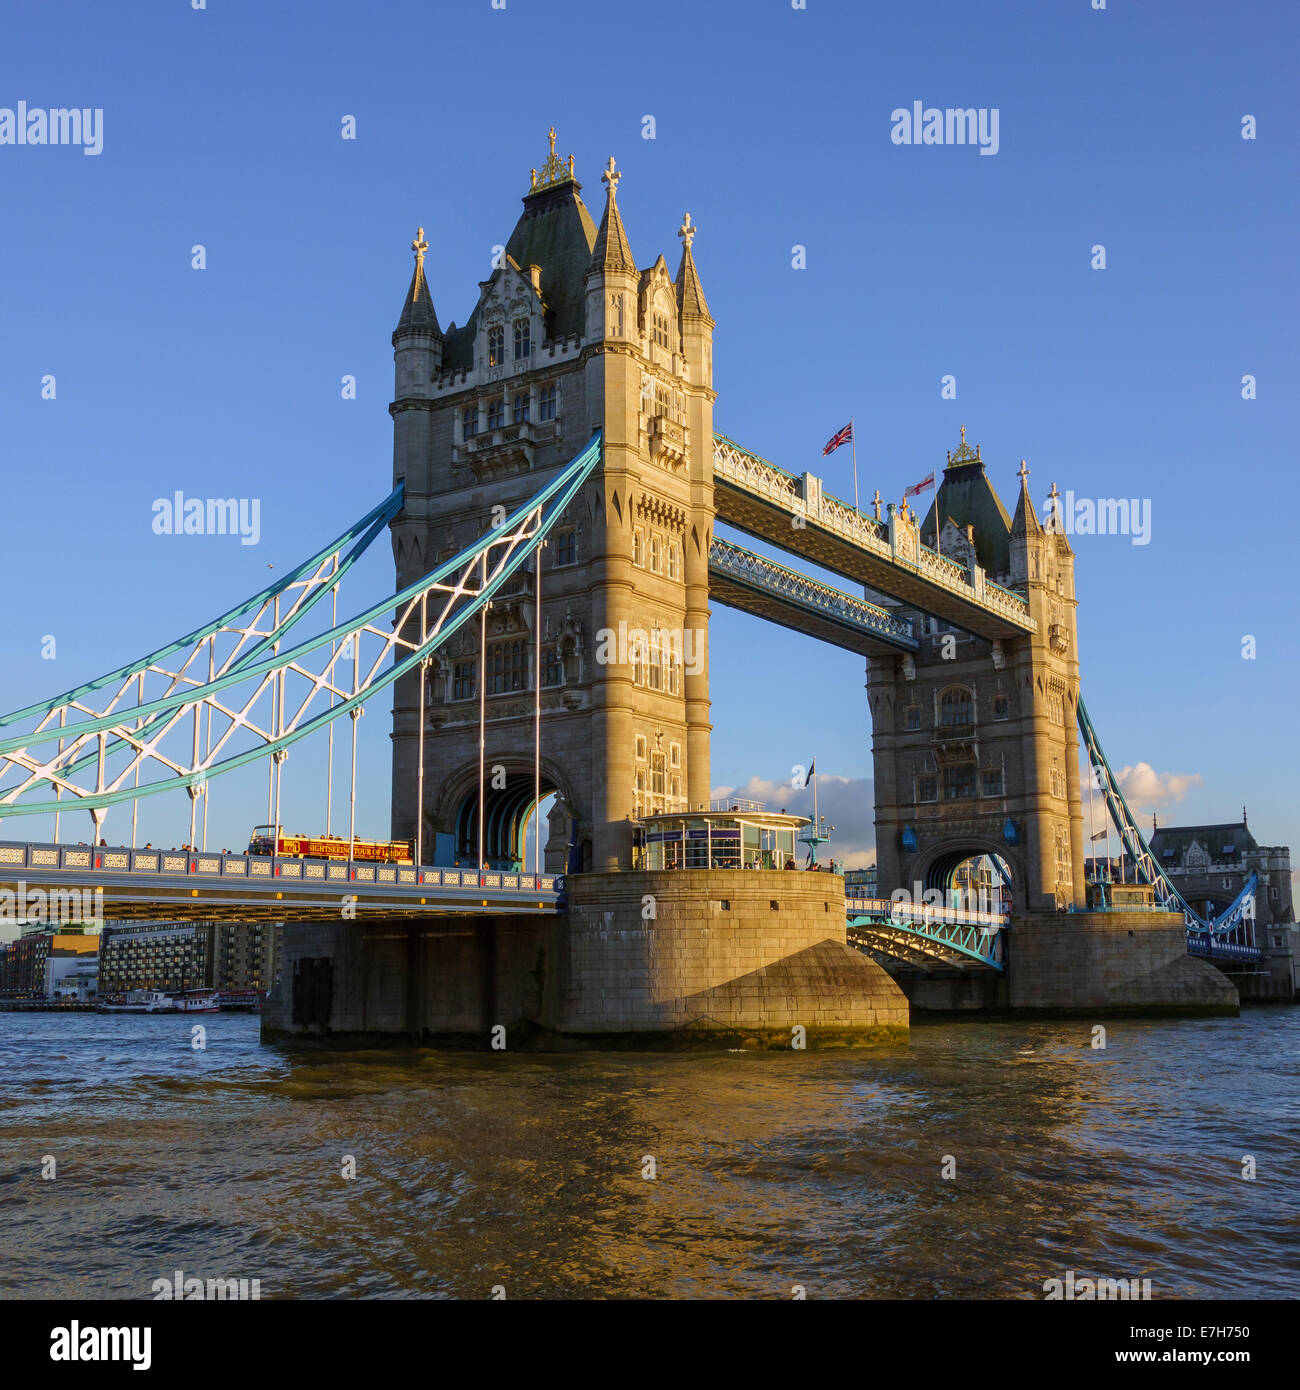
{"x": 523, "y": 339}
{"x": 496, "y": 415}
{"x": 661, "y": 330}
{"x": 521, "y": 407}
{"x": 676, "y": 794}
{"x": 675, "y": 754}
{"x": 1056, "y": 707}
{"x": 674, "y": 561}
{"x": 1001, "y": 707}
{"x": 654, "y": 670}
{"x": 552, "y": 667}
{"x": 655, "y": 560}
{"x": 640, "y": 748}
{"x": 927, "y": 789}
{"x": 638, "y": 547}
{"x": 958, "y": 783}
{"x": 640, "y": 790}
{"x": 496, "y": 345}
{"x": 991, "y": 781}
{"x": 1057, "y": 780}
{"x": 912, "y": 717}
{"x": 954, "y": 707}
{"x": 507, "y": 668}
{"x": 469, "y": 421}
{"x": 566, "y": 548}
{"x": 616, "y": 315}
{"x": 462, "y": 680}
{"x": 656, "y": 774}
{"x": 546, "y": 404}
{"x": 1062, "y": 842}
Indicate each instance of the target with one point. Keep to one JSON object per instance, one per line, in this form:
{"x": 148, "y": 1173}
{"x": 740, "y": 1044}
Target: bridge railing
{"x": 763, "y": 478}
{"x": 200, "y": 864}
{"x": 923, "y": 913}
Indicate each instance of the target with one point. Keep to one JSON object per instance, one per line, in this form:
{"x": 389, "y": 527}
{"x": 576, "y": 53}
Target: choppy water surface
{"x": 773, "y": 1169}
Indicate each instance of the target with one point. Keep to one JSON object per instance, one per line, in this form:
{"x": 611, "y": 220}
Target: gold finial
{"x": 419, "y": 246}
{"x": 553, "y": 171}
{"x": 610, "y": 179}
{"x": 963, "y": 434}
{"x": 687, "y": 232}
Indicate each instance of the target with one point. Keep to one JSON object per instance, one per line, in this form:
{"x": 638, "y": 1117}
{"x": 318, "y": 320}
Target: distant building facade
{"x": 246, "y": 955}
{"x": 157, "y": 955}
{"x": 47, "y": 964}
{"x": 1210, "y": 865}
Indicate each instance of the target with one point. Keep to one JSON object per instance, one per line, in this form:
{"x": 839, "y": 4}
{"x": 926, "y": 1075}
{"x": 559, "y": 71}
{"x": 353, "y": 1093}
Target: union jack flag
{"x": 842, "y": 437}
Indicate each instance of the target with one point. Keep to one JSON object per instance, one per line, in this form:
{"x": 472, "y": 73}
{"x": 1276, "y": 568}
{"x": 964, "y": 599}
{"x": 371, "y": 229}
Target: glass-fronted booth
{"x": 734, "y": 834}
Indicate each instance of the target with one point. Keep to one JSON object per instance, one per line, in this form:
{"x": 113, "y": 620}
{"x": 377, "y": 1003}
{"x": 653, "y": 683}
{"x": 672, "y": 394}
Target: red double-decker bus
{"x": 271, "y": 839}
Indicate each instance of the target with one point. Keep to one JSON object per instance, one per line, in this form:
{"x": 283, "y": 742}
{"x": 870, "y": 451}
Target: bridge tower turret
{"x": 568, "y": 337}
{"x": 975, "y": 740}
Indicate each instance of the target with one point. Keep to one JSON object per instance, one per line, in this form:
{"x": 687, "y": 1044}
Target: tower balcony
{"x": 667, "y": 441}
{"x": 501, "y": 452}
{"x": 955, "y": 743}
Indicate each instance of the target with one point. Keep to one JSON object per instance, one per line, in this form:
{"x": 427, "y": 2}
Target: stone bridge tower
{"x": 568, "y": 336}
{"x": 975, "y": 743}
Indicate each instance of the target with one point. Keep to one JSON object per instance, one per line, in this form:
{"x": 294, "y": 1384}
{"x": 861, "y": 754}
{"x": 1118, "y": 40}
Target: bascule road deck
{"x": 794, "y": 513}
{"x": 151, "y": 884}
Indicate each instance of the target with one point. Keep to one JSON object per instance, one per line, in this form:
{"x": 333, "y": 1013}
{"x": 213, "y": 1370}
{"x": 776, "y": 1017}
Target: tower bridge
{"x": 557, "y": 481}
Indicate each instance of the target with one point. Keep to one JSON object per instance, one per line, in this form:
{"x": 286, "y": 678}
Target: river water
{"x": 771, "y": 1170}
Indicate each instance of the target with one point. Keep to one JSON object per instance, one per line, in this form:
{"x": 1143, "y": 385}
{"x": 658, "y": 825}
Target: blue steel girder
{"x": 428, "y": 613}
{"x": 1149, "y": 869}
{"x": 795, "y": 513}
{"x": 754, "y": 584}
{"x": 927, "y": 936}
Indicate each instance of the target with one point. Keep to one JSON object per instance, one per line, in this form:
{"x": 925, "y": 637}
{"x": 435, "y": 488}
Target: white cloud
{"x": 1145, "y": 788}
{"x": 847, "y": 803}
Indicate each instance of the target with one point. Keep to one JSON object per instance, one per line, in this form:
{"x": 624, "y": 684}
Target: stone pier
{"x": 705, "y": 958}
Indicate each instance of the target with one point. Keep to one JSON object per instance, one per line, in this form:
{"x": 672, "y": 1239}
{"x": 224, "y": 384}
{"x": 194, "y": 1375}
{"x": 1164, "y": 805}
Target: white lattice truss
{"x": 229, "y": 694}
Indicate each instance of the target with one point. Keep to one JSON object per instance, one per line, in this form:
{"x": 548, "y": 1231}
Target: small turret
{"x": 417, "y": 339}
{"x": 612, "y": 277}
{"x": 693, "y": 312}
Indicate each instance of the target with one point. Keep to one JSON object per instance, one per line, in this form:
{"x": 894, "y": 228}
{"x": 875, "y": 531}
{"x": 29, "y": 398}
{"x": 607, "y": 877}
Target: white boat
{"x": 155, "y": 1001}
{"x": 137, "y": 1001}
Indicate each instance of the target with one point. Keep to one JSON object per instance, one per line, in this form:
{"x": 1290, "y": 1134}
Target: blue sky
{"x": 1120, "y": 127}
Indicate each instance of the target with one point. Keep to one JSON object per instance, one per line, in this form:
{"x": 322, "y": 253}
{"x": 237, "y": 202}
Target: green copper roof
{"x": 966, "y": 495}
{"x": 555, "y": 232}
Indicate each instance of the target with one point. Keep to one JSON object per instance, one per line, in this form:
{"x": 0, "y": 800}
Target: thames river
{"x": 609, "y": 1175}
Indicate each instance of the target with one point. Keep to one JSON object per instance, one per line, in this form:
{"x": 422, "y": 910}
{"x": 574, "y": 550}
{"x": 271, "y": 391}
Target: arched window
{"x": 954, "y": 707}
{"x": 496, "y": 345}
{"x": 523, "y": 339}
{"x": 546, "y": 403}
{"x": 661, "y": 329}
{"x": 638, "y": 547}
{"x": 496, "y": 415}
{"x": 1001, "y": 707}
{"x": 521, "y": 408}
{"x": 912, "y": 717}
{"x": 654, "y": 554}
{"x": 469, "y": 421}
{"x": 674, "y": 561}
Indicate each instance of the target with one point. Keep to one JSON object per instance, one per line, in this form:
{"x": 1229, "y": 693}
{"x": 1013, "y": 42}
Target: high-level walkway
{"x": 757, "y": 497}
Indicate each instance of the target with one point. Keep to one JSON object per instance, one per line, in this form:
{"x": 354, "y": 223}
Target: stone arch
{"x": 934, "y": 866}
{"x": 506, "y": 811}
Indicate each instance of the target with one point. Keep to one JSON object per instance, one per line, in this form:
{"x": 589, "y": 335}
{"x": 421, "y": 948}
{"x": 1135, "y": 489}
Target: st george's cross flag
{"x": 917, "y": 488}
{"x": 843, "y": 437}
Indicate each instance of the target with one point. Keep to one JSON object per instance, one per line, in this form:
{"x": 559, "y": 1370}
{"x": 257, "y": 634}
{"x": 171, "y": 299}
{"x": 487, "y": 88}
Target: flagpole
{"x": 853, "y": 441}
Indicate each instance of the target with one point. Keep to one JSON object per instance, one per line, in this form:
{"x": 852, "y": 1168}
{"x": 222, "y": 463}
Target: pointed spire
{"x": 611, "y": 251}
{"x": 418, "y": 313}
{"x": 690, "y": 296}
{"x": 1025, "y": 521}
